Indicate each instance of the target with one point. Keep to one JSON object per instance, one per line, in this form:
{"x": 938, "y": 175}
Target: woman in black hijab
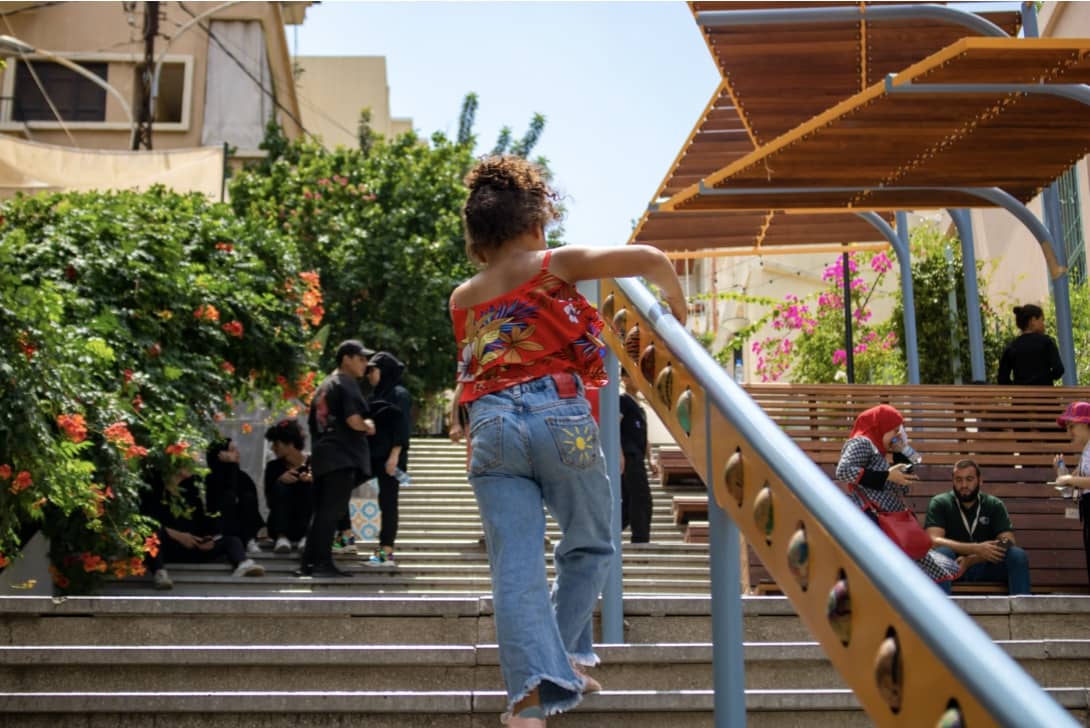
{"x": 391, "y": 409}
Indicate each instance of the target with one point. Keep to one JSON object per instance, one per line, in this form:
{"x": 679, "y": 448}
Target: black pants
{"x": 291, "y": 506}
{"x": 172, "y": 552}
{"x": 388, "y": 492}
{"x": 332, "y": 492}
{"x": 636, "y": 498}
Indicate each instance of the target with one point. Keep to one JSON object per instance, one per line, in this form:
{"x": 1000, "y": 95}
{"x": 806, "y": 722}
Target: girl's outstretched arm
{"x": 576, "y": 263}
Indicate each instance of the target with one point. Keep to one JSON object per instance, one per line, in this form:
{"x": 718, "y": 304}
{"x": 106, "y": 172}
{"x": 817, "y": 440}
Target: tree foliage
{"x": 941, "y": 339}
{"x": 128, "y": 324}
{"x": 383, "y": 230}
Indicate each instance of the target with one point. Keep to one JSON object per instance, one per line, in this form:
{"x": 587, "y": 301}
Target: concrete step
{"x": 803, "y": 665}
{"x": 457, "y": 708}
{"x": 297, "y": 619}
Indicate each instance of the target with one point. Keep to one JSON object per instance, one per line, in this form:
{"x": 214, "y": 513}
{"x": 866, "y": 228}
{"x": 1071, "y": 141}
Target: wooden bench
{"x": 675, "y": 471}
{"x": 1010, "y": 432}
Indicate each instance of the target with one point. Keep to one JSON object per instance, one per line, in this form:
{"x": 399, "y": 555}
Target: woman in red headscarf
{"x": 863, "y": 466}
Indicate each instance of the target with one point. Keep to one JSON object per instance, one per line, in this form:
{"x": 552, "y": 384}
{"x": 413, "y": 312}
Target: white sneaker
{"x": 252, "y": 547}
{"x": 283, "y": 546}
{"x": 162, "y": 580}
{"x": 249, "y": 567}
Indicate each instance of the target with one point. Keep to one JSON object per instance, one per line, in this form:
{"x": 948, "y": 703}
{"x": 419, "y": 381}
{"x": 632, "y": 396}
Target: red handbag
{"x": 902, "y": 527}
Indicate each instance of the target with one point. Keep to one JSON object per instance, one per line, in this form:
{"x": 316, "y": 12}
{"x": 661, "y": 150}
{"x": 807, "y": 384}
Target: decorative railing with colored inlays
{"x": 911, "y": 656}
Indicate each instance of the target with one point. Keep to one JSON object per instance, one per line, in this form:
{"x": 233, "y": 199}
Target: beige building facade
{"x": 225, "y": 70}
{"x": 1018, "y": 272}
{"x": 333, "y": 90}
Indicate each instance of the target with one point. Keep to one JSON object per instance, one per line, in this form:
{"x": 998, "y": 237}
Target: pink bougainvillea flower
{"x": 840, "y": 356}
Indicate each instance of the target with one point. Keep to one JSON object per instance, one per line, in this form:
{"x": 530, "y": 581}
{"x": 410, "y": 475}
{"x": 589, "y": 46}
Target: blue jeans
{"x": 533, "y": 447}
{"x": 1013, "y": 569}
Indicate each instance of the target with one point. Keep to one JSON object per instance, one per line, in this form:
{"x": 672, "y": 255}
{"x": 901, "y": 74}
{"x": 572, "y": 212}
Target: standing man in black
{"x": 635, "y": 456}
{"x": 340, "y": 422}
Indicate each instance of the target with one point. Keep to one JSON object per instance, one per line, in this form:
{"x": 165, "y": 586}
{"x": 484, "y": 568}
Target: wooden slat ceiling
{"x": 718, "y": 139}
{"x": 782, "y": 75}
{"x": 1018, "y": 142}
{"x": 785, "y": 74}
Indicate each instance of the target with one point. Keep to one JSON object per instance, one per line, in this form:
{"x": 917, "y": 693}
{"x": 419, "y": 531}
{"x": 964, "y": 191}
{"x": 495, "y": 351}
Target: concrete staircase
{"x": 414, "y": 646}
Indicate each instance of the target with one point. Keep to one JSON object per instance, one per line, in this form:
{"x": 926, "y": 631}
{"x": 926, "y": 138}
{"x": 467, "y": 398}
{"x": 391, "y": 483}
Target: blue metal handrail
{"x": 1000, "y": 685}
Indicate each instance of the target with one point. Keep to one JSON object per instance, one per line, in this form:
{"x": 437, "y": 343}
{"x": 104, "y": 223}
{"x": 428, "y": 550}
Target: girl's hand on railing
{"x": 678, "y": 306}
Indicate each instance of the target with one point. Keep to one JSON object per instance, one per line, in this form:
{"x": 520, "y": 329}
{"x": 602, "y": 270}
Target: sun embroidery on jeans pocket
{"x": 578, "y": 443}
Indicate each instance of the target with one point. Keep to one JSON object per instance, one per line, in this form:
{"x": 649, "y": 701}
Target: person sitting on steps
{"x": 187, "y": 534}
{"x": 289, "y": 486}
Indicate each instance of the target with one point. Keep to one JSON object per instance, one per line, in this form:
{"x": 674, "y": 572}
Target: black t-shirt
{"x": 336, "y": 445}
{"x": 1031, "y": 359}
{"x": 633, "y": 427}
{"x": 991, "y": 520}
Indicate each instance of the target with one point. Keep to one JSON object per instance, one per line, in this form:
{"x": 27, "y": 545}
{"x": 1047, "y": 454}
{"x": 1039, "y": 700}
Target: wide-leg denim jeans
{"x": 533, "y": 447}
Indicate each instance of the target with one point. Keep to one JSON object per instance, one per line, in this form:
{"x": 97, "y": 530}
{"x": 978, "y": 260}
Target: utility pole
{"x": 141, "y": 137}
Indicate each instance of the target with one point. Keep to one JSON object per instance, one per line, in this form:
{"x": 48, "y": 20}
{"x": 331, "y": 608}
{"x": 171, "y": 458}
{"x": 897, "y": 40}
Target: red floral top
{"x": 543, "y": 326}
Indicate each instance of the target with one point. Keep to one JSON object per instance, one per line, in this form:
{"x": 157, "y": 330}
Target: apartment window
{"x": 74, "y": 97}
{"x": 1071, "y": 220}
{"x": 170, "y": 101}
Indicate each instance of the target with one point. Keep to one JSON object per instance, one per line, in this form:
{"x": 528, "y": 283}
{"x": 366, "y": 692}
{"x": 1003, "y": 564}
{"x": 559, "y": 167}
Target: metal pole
{"x": 827, "y": 14}
{"x": 952, "y": 314}
{"x": 848, "y": 318}
{"x": 609, "y": 416}
{"x": 1061, "y": 293}
{"x": 1029, "y": 20}
{"x": 728, "y": 650}
{"x": 963, "y": 221}
{"x": 909, "y": 300}
{"x": 1050, "y": 199}
{"x": 146, "y": 113}
{"x": 900, "y": 247}
{"x": 223, "y": 174}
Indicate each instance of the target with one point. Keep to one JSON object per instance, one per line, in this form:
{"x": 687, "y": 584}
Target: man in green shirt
{"x": 974, "y": 527}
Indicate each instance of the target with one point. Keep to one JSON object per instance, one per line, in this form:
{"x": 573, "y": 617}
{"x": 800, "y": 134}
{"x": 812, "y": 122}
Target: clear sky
{"x": 621, "y": 85}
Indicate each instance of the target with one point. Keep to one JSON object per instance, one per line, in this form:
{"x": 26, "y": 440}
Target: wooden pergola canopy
{"x": 773, "y": 79}
{"x": 881, "y": 149}
{"x": 782, "y": 75}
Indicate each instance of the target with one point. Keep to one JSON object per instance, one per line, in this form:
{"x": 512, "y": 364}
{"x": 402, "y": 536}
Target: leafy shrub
{"x": 129, "y": 322}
